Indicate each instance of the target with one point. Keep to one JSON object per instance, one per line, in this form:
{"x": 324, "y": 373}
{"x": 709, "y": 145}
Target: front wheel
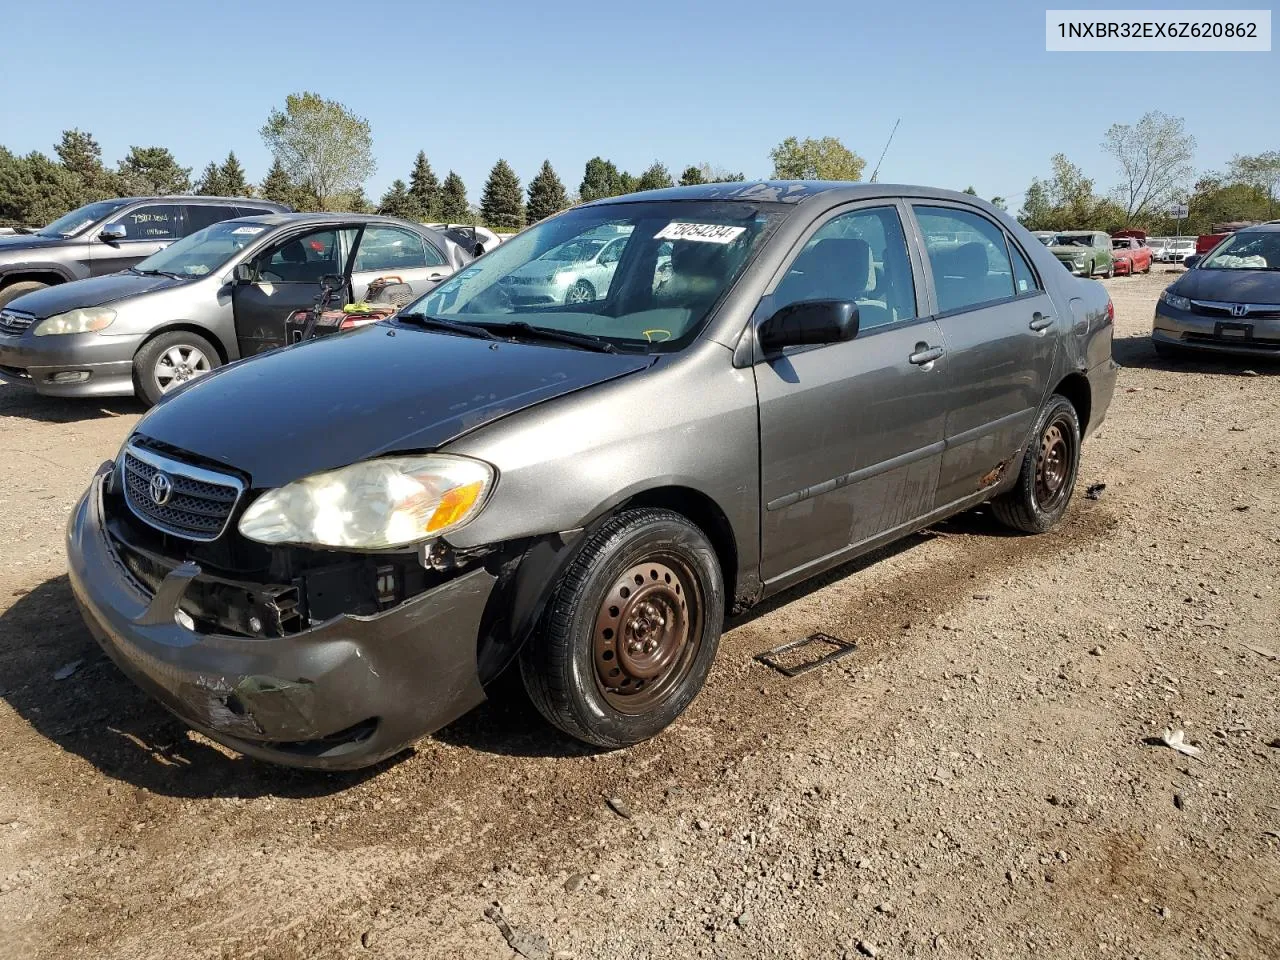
{"x": 630, "y": 632}
{"x": 580, "y": 292}
{"x": 1048, "y": 474}
{"x": 170, "y": 360}
{"x": 20, "y": 289}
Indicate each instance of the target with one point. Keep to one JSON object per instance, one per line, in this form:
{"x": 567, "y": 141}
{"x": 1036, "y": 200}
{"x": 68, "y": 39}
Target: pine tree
{"x": 234, "y": 181}
{"x": 691, "y": 177}
{"x": 358, "y": 202}
{"x": 600, "y": 179}
{"x": 453, "y": 200}
{"x": 546, "y": 194}
{"x": 397, "y": 202}
{"x": 82, "y": 156}
{"x": 211, "y": 182}
{"x": 153, "y": 171}
{"x": 655, "y": 178}
{"x": 424, "y": 189}
{"x": 502, "y": 204}
{"x": 277, "y": 186}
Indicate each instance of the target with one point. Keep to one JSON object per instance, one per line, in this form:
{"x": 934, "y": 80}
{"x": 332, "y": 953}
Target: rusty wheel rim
{"x": 1053, "y": 465}
{"x": 647, "y": 634}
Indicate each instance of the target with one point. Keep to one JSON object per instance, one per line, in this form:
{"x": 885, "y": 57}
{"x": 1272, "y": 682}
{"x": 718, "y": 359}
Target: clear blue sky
{"x": 981, "y": 101}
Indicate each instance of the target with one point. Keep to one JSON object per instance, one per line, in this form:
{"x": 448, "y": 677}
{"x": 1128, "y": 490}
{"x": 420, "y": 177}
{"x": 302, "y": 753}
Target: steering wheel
{"x": 666, "y": 334}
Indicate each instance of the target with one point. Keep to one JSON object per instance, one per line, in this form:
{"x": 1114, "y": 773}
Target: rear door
{"x": 1000, "y": 332}
{"x": 387, "y": 251}
{"x": 851, "y": 434}
{"x": 149, "y": 228}
{"x": 286, "y": 278}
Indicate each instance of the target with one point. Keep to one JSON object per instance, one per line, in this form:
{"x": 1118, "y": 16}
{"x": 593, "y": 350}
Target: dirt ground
{"x": 978, "y": 780}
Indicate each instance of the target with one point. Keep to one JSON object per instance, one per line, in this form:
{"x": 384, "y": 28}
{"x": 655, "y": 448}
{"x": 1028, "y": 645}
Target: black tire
{"x": 1035, "y": 504}
{"x": 580, "y": 292}
{"x": 564, "y": 665}
{"x": 145, "y": 378}
{"x": 15, "y": 290}
{"x": 1088, "y": 274}
{"x": 1111, "y": 270}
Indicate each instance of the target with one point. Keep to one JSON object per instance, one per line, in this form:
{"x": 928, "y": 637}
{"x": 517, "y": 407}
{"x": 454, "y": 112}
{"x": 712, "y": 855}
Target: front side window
{"x": 69, "y": 224}
{"x": 1246, "y": 251}
{"x": 391, "y": 249}
{"x": 969, "y": 258}
{"x": 303, "y": 259}
{"x": 161, "y": 221}
{"x": 859, "y": 256}
{"x": 676, "y": 260}
{"x": 204, "y": 251}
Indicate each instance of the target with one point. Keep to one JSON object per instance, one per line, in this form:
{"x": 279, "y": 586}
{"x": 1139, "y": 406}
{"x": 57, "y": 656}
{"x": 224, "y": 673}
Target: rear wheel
{"x": 15, "y": 290}
{"x": 1048, "y": 474}
{"x": 1089, "y": 270}
{"x": 631, "y": 630}
{"x": 1111, "y": 270}
{"x": 170, "y": 360}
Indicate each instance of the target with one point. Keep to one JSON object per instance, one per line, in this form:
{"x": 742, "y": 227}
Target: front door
{"x": 286, "y": 278}
{"x": 851, "y": 434}
{"x": 393, "y": 252}
{"x": 148, "y": 229}
{"x": 1000, "y": 332}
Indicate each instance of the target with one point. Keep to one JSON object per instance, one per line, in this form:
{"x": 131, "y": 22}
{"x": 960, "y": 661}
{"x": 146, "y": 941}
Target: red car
{"x": 1131, "y": 255}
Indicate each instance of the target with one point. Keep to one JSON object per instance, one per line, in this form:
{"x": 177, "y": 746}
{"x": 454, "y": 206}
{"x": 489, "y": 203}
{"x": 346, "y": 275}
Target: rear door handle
{"x": 925, "y": 354}
{"x": 1040, "y": 321}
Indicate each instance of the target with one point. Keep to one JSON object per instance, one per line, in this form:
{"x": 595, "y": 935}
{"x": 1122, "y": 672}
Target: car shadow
{"x": 95, "y": 712}
{"x": 1138, "y": 352}
{"x": 17, "y": 400}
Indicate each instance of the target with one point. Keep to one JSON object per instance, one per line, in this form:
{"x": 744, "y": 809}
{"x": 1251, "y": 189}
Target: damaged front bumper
{"x": 342, "y": 694}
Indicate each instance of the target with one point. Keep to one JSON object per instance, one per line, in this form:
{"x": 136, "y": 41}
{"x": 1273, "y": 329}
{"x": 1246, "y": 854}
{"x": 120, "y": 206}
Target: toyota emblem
{"x": 1239, "y": 309}
{"x": 161, "y": 489}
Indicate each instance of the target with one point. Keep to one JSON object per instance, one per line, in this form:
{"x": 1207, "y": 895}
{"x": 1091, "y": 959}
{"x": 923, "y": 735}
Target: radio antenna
{"x": 876, "y": 172}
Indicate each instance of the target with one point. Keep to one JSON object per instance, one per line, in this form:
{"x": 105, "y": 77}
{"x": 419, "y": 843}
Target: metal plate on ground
{"x": 775, "y": 658}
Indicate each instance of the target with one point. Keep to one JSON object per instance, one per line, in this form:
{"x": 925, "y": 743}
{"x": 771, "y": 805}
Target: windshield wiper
{"x": 157, "y": 273}
{"x": 529, "y": 332}
{"x": 440, "y": 323}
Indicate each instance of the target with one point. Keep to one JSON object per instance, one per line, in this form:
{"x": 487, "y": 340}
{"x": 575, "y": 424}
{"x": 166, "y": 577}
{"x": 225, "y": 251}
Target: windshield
{"x": 72, "y": 223}
{"x": 669, "y": 264}
{"x": 1073, "y": 240}
{"x": 1246, "y": 251}
{"x": 203, "y": 251}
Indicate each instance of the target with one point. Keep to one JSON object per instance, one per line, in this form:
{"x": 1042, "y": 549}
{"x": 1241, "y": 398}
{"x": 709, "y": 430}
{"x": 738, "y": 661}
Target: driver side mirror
{"x": 810, "y": 322}
{"x": 113, "y": 233}
{"x": 1191, "y": 261}
{"x": 242, "y": 273}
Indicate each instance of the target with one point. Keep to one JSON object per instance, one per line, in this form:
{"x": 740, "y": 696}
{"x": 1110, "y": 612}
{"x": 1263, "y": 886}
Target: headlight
{"x": 1175, "y": 301}
{"x": 388, "y": 502}
{"x": 1079, "y": 258}
{"x": 88, "y": 320}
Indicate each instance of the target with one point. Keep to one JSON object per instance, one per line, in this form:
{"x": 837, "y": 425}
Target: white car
{"x": 1177, "y": 249}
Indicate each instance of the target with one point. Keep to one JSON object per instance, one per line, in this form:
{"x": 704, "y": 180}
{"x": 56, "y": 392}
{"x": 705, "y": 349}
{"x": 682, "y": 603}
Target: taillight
{"x": 1111, "y": 311}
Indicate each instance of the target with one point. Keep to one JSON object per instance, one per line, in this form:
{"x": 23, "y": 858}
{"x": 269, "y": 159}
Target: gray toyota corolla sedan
{"x": 324, "y": 553}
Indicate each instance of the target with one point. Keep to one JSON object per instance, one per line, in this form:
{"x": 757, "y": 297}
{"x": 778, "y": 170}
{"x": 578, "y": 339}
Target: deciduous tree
{"x": 810, "y": 159}
{"x": 321, "y": 144}
{"x": 1155, "y": 162}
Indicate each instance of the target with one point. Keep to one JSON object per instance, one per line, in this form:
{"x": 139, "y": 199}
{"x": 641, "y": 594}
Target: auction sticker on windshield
{"x": 251, "y": 231}
{"x": 702, "y": 232}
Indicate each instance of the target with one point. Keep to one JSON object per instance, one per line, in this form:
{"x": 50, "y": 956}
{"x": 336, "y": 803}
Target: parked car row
{"x": 197, "y": 290}
{"x": 319, "y": 554}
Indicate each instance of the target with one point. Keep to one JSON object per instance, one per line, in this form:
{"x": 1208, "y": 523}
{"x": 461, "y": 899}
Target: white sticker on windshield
{"x": 702, "y": 232}
{"x": 251, "y": 231}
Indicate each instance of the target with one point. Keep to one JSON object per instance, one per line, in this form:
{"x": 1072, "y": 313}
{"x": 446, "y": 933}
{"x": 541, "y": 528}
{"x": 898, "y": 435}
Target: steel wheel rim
{"x": 647, "y": 634}
{"x": 179, "y": 364}
{"x": 1053, "y": 464}
{"x": 578, "y": 293}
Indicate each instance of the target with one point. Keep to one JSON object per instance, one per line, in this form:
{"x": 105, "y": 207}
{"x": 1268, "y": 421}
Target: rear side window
{"x": 390, "y": 248}
{"x": 859, "y": 256}
{"x": 969, "y": 258}
{"x": 200, "y": 216}
{"x": 254, "y": 212}
{"x": 157, "y": 221}
{"x": 1024, "y": 278}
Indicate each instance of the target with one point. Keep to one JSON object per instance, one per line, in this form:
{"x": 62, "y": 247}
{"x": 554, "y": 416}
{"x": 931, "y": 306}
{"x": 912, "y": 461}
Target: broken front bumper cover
{"x": 344, "y": 694}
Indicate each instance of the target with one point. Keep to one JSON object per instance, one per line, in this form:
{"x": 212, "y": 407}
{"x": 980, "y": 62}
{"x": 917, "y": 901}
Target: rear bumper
{"x": 344, "y": 694}
{"x": 1249, "y": 336}
{"x": 73, "y": 365}
{"x": 1102, "y": 387}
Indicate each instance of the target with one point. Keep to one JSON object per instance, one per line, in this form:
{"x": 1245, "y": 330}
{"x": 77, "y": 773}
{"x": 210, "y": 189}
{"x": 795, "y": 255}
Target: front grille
{"x": 195, "y": 503}
{"x": 1252, "y": 311}
{"x": 13, "y": 323}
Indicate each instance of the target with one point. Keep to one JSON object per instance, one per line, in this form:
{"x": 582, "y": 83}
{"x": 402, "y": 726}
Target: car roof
{"x": 1271, "y": 226}
{"x": 792, "y": 191}
{"x": 200, "y": 198}
{"x": 281, "y": 219}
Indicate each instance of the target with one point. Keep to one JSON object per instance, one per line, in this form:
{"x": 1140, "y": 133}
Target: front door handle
{"x": 1040, "y": 321}
{"x": 925, "y": 354}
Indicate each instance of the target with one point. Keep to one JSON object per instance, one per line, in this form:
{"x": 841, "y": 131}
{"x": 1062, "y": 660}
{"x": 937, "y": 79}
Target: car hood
{"x": 1069, "y": 251}
{"x": 544, "y": 269}
{"x": 1231, "y": 286}
{"x": 26, "y": 241}
{"x": 90, "y": 293}
{"x": 381, "y": 389}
